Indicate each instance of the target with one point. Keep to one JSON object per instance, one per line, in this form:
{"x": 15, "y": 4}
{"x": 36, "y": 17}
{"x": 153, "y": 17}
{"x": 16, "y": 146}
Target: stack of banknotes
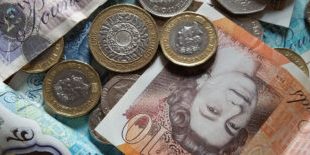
{"x": 153, "y": 77}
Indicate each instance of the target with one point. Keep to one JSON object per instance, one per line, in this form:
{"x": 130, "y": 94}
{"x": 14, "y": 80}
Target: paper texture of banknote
{"x": 20, "y": 105}
{"x": 29, "y": 27}
{"x": 235, "y": 104}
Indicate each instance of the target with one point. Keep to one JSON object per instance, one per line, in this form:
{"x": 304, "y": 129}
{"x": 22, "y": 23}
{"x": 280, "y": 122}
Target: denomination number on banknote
{"x": 131, "y": 136}
{"x": 300, "y": 97}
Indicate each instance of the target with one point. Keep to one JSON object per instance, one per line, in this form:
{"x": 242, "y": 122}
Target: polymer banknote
{"x": 16, "y": 103}
{"x": 243, "y": 102}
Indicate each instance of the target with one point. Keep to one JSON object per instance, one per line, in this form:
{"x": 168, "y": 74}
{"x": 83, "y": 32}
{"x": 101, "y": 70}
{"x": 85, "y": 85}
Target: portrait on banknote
{"x": 214, "y": 112}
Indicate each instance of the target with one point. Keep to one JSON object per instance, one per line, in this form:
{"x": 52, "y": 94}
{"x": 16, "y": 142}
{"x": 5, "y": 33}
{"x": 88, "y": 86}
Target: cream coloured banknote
{"x": 243, "y": 101}
{"x": 28, "y": 27}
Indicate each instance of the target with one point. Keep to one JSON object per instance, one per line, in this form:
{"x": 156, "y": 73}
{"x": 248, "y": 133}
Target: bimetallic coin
{"x": 295, "y": 58}
{"x": 71, "y": 88}
{"x": 114, "y": 90}
{"x": 239, "y": 7}
{"x": 251, "y": 25}
{"x": 94, "y": 119}
{"x": 307, "y": 12}
{"x": 123, "y": 38}
{"x": 189, "y": 39}
{"x": 165, "y": 8}
{"x": 47, "y": 59}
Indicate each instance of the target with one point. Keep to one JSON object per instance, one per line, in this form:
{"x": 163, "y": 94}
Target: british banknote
{"x": 28, "y": 27}
{"x": 25, "y": 136}
{"x": 296, "y": 37}
{"x": 243, "y": 101}
{"x": 21, "y": 106}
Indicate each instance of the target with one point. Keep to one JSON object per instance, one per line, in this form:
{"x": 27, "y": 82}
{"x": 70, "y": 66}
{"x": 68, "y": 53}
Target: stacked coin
{"x": 239, "y": 7}
{"x": 295, "y": 58}
{"x": 112, "y": 92}
{"x": 47, "y": 59}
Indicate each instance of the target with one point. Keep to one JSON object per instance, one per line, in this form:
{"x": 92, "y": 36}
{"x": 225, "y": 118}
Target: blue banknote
{"x": 18, "y": 104}
{"x": 296, "y": 37}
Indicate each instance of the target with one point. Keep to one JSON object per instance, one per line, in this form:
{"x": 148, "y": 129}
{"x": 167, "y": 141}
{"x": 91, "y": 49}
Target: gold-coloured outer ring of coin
{"x": 123, "y": 38}
{"x": 189, "y": 39}
{"x": 295, "y": 58}
{"x": 47, "y": 59}
{"x": 71, "y": 88}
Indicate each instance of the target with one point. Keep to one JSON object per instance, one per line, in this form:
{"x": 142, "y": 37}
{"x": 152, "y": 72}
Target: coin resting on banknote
{"x": 241, "y": 7}
{"x": 71, "y": 88}
{"x": 47, "y": 59}
{"x": 165, "y": 8}
{"x": 123, "y": 38}
{"x": 112, "y": 92}
{"x": 188, "y": 39}
{"x": 295, "y": 58}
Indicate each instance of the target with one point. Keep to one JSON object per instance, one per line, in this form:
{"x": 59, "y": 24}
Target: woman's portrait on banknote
{"x": 209, "y": 114}
{"x": 214, "y": 112}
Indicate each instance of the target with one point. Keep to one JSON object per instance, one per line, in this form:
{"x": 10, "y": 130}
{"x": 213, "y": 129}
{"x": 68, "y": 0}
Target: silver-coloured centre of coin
{"x": 71, "y": 88}
{"x": 188, "y": 38}
{"x": 124, "y": 37}
{"x": 243, "y": 6}
{"x": 165, "y": 8}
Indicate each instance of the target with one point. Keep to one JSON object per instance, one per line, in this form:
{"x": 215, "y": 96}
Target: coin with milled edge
{"x": 114, "y": 90}
{"x": 251, "y": 25}
{"x": 95, "y": 118}
{"x": 295, "y": 58}
{"x": 189, "y": 39}
{"x": 307, "y": 12}
{"x": 123, "y": 38}
{"x": 239, "y": 7}
{"x": 71, "y": 88}
{"x": 47, "y": 59}
{"x": 165, "y": 8}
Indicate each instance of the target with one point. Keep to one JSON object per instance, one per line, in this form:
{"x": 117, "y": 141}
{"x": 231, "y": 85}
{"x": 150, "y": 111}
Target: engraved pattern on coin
{"x": 189, "y": 38}
{"x": 252, "y": 25}
{"x": 124, "y": 37}
{"x": 165, "y": 8}
{"x": 71, "y": 88}
{"x": 114, "y": 90}
{"x": 243, "y": 6}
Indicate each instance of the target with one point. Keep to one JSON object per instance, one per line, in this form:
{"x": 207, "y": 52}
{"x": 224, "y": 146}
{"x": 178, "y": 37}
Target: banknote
{"x": 29, "y": 27}
{"x": 230, "y": 105}
{"x": 21, "y": 106}
{"x": 296, "y": 37}
{"x": 25, "y": 136}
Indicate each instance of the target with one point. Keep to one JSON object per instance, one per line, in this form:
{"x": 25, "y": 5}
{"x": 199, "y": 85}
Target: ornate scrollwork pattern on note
{"x": 124, "y": 37}
{"x": 20, "y": 134}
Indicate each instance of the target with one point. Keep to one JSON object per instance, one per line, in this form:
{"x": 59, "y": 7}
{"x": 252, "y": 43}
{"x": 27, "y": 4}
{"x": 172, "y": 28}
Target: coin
{"x": 295, "y": 58}
{"x": 165, "y": 8}
{"x": 251, "y": 25}
{"x": 71, "y": 88}
{"x": 123, "y": 38}
{"x": 189, "y": 39}
{"x": 47, "y": 59}
{"x": 95, "y": 118}
{"x": 307, "y": 12}
{"x": 114, "y": 90}
{"x": 239, "y": 7}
